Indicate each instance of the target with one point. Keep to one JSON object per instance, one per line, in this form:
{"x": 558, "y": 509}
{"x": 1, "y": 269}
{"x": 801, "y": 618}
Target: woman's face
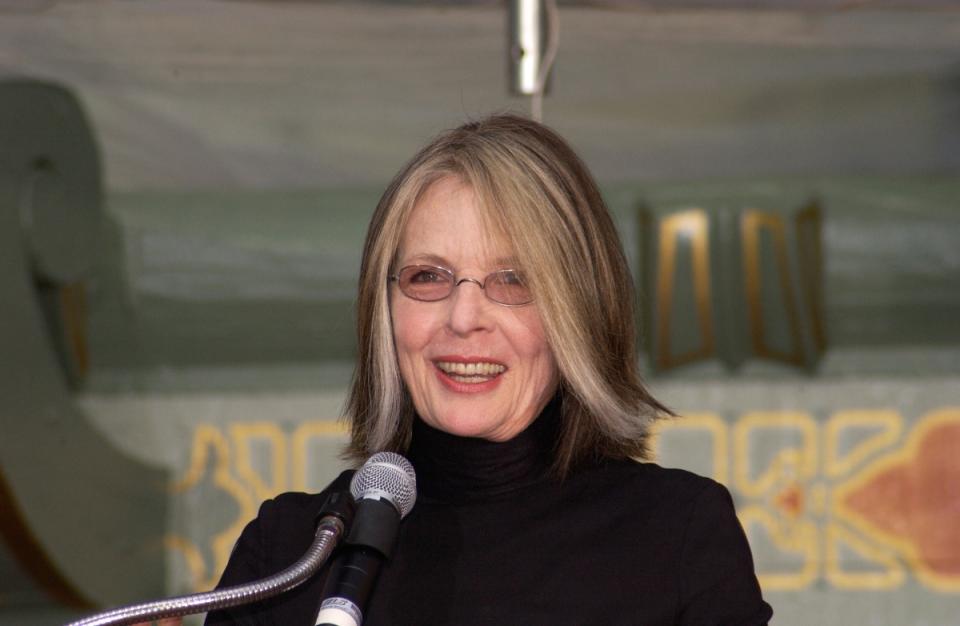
{"x": 473, "y": 367}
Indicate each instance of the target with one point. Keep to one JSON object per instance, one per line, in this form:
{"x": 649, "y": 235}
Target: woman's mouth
{"x": 472, "y": 373}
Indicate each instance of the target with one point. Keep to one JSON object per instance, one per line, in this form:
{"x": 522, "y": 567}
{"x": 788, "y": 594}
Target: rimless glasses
{"x": 429, "y": 283}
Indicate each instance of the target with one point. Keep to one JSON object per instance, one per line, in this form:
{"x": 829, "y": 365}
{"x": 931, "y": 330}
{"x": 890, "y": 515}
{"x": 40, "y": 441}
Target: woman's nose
{"x": 469, "y": 308}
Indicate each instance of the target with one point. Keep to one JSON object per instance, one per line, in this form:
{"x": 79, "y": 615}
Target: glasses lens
{"x": 508, "y": 287}
{"x": 425, "y": 282}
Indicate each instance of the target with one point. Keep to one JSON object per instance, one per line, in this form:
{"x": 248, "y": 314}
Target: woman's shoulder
{"x": 654, "y": 489}
{"x": 696, "y": 516}
{"x": 650, "y": 476}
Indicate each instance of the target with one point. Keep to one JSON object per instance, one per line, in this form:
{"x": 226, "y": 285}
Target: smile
{"x": 471, "y": 373}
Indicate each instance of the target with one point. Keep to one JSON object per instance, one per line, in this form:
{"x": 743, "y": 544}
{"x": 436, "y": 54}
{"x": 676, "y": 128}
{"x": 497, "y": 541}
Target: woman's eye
{"x": 426, "y": 276}
{"x": 511, "y": 277}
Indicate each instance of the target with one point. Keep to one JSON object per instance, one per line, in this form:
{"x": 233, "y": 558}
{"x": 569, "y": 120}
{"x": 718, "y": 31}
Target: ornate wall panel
{"x": 754, "y": 274}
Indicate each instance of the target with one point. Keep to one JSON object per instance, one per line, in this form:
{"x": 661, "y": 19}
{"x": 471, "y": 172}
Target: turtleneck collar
{"x": 461, "y": 469}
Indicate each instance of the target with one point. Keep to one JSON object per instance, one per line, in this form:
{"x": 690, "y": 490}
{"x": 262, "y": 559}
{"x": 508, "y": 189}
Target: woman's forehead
{"x": 449, "y": 224}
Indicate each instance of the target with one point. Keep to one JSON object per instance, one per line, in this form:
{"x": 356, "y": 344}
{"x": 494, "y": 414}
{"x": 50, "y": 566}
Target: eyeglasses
{"x": 429, "y": 283}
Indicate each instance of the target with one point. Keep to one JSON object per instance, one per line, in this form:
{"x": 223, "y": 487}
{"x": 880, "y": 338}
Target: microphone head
{"x": 386, "y": 476}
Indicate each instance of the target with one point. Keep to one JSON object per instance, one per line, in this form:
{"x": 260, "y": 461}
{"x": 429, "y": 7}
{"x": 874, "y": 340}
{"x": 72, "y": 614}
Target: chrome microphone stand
{"x": 329, "y": 531}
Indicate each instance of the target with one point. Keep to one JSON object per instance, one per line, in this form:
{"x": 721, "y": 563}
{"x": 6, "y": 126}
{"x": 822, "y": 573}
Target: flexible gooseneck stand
{"x": 334, "y": 517}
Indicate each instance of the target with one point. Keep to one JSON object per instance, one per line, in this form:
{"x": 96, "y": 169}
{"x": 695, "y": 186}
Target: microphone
{"x": 385, "y": 490}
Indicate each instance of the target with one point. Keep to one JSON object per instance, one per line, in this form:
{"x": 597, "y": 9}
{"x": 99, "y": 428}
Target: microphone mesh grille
{"x": 386, "y": 475}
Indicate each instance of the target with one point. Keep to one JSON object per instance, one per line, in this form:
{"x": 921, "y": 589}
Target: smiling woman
{"x": 473, "y": 367}
{"x": 495, "y": 326}
{"x": 507, "y": 193}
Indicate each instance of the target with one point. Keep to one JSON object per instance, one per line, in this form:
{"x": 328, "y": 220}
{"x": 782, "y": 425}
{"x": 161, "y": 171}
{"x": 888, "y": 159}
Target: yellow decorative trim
{"x": 889, "y": 421}
{"x": 243, "y": 435}
{"x": 194, "y": 560}
{"x": 818, "y": 499}
{"x": 692, "y": 224}
{"x": 301, "y": 437}
{"x": 891, "y": 578}
{"x": 205, "y": 438}
{"x": 799, "y": 537}
{"x": 790, "y": 464}
{"x": 787, "y": 499}
{"x": 709, "y": 422}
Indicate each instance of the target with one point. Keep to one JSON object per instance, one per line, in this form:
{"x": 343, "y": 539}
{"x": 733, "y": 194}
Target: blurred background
{"x": 184, "y": 189}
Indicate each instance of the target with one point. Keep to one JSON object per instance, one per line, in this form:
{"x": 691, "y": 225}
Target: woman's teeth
{"x": 471, "y": 372}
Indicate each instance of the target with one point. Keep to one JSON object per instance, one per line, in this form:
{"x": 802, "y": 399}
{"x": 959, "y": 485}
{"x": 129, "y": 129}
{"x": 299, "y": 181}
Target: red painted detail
{"x": 790, "y": 500}
{"x": 918, "y": 500}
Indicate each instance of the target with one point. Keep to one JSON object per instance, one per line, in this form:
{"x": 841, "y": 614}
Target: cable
{"x": 549, "y": 56}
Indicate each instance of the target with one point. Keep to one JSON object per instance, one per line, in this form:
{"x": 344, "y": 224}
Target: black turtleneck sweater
{"x": 494, "y": 538}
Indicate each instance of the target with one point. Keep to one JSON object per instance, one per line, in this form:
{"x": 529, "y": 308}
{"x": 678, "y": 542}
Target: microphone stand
{"x": 337, "y": 510}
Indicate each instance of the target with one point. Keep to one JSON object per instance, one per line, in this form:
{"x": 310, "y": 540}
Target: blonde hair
{"x": 535, "y": 192}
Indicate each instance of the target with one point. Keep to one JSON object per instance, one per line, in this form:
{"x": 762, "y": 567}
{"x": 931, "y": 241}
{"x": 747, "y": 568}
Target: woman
{"x": 496, "y": 338}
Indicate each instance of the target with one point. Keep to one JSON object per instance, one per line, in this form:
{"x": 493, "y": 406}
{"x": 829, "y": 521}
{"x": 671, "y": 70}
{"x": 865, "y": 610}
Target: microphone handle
{"x": 349, "y": 587}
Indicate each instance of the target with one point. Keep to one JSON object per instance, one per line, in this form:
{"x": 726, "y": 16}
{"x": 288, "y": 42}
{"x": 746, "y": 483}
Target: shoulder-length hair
{"x": 536, "y": 193}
